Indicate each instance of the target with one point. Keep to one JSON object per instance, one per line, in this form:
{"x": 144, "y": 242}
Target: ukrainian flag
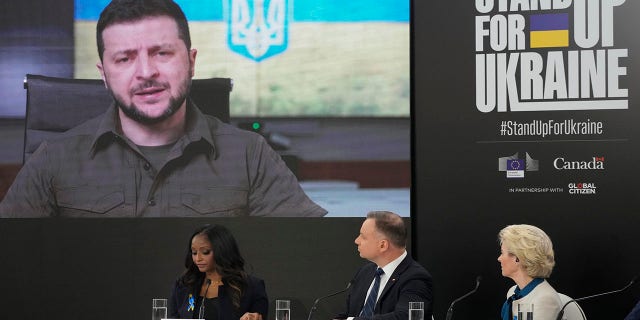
{"x": 549, "y": 30}
{"x": 337, "y": 57}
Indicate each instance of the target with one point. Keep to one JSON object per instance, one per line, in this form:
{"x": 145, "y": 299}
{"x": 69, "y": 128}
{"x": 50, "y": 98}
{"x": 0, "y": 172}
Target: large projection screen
{"x": 332, "y": 78}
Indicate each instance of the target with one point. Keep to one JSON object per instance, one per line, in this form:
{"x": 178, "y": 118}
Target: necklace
{"x": 214, "y": 283}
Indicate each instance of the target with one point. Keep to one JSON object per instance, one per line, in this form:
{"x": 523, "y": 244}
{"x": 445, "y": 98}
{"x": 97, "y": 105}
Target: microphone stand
{"x": 561, "y": 313}
{"x": 450, "y": 311}
{"x": 315, "y": 303}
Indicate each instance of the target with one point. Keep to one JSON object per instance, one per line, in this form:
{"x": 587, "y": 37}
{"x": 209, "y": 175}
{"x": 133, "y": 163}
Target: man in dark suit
{"x": 383, "y": 288}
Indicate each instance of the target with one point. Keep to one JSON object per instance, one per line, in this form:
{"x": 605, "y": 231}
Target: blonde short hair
{"x": 531, "y": 246}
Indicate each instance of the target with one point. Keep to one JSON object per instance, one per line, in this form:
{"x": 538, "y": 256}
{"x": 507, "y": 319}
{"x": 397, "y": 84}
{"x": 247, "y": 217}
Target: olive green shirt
{"x": 214, "y": 170}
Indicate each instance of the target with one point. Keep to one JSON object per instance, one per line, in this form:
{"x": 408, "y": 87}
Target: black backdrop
{"x": 461, "y": 200}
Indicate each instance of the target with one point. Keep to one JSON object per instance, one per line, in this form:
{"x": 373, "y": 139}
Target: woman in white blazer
{"x": 526, "y": 256}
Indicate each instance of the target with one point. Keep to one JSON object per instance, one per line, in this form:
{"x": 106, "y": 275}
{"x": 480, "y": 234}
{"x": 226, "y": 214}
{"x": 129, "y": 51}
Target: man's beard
{"x": 133, "y": 112}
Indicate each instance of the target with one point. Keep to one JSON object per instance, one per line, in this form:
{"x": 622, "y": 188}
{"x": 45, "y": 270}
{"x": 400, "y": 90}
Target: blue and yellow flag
{"x": 549, "y": 30}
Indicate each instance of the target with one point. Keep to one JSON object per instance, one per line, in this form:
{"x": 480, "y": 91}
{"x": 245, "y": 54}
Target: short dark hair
{"x": 119, "y": 11}
{"x": 391, "y": 226}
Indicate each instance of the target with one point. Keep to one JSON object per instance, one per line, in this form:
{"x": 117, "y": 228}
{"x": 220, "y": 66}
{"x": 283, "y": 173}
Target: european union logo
{"x": 258, "y": 29}
{"x": 515, "y": 168}
{"x": 549, "y": 30}
{"x": 515, "y": 164}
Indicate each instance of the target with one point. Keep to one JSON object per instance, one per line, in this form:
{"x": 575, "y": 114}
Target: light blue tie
{"x": 369, "y": 306}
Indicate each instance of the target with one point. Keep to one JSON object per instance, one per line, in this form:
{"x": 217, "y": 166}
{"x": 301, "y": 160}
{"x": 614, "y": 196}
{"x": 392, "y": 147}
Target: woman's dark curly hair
{"x": 227, "y": 258}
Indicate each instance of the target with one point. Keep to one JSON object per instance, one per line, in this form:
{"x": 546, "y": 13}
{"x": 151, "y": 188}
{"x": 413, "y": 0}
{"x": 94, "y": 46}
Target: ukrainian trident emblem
{"x": 258, "y": 29}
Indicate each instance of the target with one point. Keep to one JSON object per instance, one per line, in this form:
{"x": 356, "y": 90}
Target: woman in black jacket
{"x": 215, "y": 274}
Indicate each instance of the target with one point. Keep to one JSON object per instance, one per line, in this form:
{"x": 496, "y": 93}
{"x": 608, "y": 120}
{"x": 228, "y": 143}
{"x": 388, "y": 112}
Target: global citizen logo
{"x": 596, "y": 163}
{"x": 582, "y": 188}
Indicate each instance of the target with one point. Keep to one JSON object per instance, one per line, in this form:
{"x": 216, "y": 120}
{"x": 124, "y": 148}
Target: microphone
{"x": 315, "y": 303}
{"x": 200, "y": 312}
{"x": 450, "y": 311}
{"x": 561, "y": 313}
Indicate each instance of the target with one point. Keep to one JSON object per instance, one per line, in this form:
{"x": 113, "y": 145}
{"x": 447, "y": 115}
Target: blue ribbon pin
{"x": 192, "y": 302}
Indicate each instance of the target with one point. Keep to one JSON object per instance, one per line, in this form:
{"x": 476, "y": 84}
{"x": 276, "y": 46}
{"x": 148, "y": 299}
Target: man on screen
{"x": 153, "y": 153}
{"x": 383, "y": 288}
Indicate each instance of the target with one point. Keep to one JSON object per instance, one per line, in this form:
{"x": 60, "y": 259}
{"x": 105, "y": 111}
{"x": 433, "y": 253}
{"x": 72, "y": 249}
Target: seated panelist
{"x": 526, "y": 256}
{"x": 383, "y": 288}
{"x": 214, "y": 285}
